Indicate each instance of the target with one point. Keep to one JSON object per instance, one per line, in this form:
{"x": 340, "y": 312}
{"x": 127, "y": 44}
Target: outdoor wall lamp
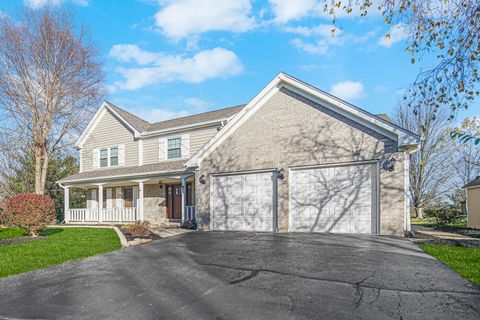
{"x": 389, "y": 164}
{"x": 281, "y": 174}
{"x": 202, "y": 179}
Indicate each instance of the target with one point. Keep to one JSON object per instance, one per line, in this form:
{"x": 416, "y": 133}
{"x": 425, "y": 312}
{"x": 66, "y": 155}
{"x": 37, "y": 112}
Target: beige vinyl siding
{"x": 107, "y": 133}
{"x": 473, "y": 207}
{"x": 198, "y": 138}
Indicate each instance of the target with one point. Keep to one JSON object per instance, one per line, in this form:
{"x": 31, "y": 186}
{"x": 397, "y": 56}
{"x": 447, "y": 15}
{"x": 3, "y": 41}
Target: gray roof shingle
{"x": 145, "y": 126}
{"x": 136, "y": 122}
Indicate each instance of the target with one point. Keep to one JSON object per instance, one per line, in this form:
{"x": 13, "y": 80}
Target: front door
{"x": 174, "y": 200}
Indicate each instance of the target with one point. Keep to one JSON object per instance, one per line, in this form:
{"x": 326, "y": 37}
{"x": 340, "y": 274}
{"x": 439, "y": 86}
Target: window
{"x": 114, "y": 156}
{"x": 103, "y": 157}
{"x": 174, "y": 148}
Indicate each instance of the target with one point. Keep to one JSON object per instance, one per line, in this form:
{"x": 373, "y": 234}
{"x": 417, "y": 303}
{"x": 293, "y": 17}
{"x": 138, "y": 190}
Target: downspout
{"x": 278, "y": 174}
{"x": 377, "y": 196}
{"x": 275, "y": 201}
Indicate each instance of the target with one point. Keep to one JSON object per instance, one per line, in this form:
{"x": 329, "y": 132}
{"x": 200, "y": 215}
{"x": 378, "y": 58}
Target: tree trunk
{"x": 39, "y": 187}
{"x": 41, "y": 168}
{"x": 419, "y": 212}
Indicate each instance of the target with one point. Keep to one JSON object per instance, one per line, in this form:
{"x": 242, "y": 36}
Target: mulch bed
{"x": 4, "y": 242}
{"x": 130, "y": 237}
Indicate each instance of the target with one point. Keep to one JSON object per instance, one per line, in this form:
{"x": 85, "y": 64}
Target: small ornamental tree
{"x": 31, "y": 212}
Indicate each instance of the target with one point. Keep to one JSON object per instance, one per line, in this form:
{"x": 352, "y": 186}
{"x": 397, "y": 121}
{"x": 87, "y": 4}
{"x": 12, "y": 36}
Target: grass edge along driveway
{"x": 465, "y": 261}
{"x": 60, "y": 245}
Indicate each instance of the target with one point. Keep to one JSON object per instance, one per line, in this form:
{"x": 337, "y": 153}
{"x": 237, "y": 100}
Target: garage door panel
{"x": 342, "y": 195}
{"x": 246, "y": 203}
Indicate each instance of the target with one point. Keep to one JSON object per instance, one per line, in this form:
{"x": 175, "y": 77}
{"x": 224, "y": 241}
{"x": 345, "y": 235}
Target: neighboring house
{"x": 293, "y": 159}
{"x": 473, "y": 203}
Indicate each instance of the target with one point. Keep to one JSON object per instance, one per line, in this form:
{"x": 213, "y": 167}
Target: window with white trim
{"x": 109, "y": 157}
{"x": 104, "y": 157}
{"x": 114, "y": 156}
{"x": 174, "y": 148}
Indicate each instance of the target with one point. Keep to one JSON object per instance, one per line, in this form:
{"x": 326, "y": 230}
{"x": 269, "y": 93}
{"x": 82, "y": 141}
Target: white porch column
{"x": 140, "y": 200}
{"x": 66, "y": 203}
{"x": 100, "y": 202}
{"x": 184, "y": 197}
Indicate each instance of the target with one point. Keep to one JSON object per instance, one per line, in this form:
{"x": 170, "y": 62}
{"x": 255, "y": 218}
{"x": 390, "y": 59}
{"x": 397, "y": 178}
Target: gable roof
{"x": 474, "y": 183}
{"x": 139, "y": 124}
{"x": 378, "y": 123}
{"x": 141, "y": 127}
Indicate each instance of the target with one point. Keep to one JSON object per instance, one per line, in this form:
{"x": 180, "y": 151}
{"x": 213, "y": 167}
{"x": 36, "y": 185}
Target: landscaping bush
{"x": 189, "y": 224}
{"x": 444, "y": 215}
{"x": 139, "y": 229}
{"x": 31, "y": 212}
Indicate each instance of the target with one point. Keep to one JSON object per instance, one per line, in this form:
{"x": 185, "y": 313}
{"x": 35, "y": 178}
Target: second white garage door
{"x": 333, "y": 199}
{"x": 242, "y": 202}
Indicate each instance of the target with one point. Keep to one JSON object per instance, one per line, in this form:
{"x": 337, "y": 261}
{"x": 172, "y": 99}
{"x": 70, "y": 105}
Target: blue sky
{"x": 166, "y": 59}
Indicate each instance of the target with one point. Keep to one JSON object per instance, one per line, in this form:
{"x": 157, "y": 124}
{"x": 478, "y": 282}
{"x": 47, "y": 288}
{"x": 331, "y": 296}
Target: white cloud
{"x": 326, "y": 36}
{"x": 132, "y": 53}
{"x": 180, "y": 19}
{"x": 289, "y": 10}
{"x": 197, "y": 103}
{"x": 396, "y": 34}
{"x": 348, "y": 90}
{"x": 147, "y": 107}
{"x": 37, "y": 4}
{"x": 162, "y": 68}
{"x": 319, "y": 47}
{"x": 323, "y": 30}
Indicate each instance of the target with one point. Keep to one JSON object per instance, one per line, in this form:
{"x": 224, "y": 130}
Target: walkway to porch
{"x": 125, "y": 201}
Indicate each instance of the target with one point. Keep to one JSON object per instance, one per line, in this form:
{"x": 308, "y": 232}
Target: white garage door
{"x": 243, "y": 202}
{"x": 333, "y": 199}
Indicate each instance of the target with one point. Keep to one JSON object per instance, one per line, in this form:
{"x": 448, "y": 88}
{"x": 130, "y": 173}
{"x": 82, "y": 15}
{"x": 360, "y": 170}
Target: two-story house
{"x": 293, "y": 159}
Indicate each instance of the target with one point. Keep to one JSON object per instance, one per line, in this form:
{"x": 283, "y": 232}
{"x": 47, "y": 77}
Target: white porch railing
{"x": 107, "y": 215}
{"x": 190, "y": 212}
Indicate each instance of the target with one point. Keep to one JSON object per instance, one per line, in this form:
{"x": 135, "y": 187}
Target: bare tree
{"x": 50, "y": 81}
{"x": 465, "y": 160}
{"x": 428, "y": 173}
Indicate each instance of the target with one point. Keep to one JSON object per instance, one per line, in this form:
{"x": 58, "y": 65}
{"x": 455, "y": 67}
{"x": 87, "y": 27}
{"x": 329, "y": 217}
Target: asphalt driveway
{"x": 216, "y": 275}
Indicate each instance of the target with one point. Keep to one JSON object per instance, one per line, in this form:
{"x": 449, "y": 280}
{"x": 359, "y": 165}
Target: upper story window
{"x": 174, "y": 148}
{"x": 114, "y": 156}
{"x": 104, "y": 157}
{"x": 109, "y": 157}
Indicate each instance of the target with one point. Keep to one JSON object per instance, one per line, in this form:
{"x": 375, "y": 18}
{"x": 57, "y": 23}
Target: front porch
{"x": 160, "y": 200}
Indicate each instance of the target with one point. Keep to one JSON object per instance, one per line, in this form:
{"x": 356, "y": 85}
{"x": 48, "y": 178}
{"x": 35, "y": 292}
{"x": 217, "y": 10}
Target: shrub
{"x": 139, "y": 229}
{"x": 189, "y": 224}
{"x": 444, "y": 215}
{"x": 31, "y": 212}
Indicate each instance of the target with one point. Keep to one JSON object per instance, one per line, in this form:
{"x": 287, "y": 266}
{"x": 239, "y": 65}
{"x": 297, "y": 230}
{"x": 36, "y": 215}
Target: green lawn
{"x": 430, "y": 222}
{"x": 465, "y": 261}
{"x": 6, "y": 233}
{"x": 62, "y": 244}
